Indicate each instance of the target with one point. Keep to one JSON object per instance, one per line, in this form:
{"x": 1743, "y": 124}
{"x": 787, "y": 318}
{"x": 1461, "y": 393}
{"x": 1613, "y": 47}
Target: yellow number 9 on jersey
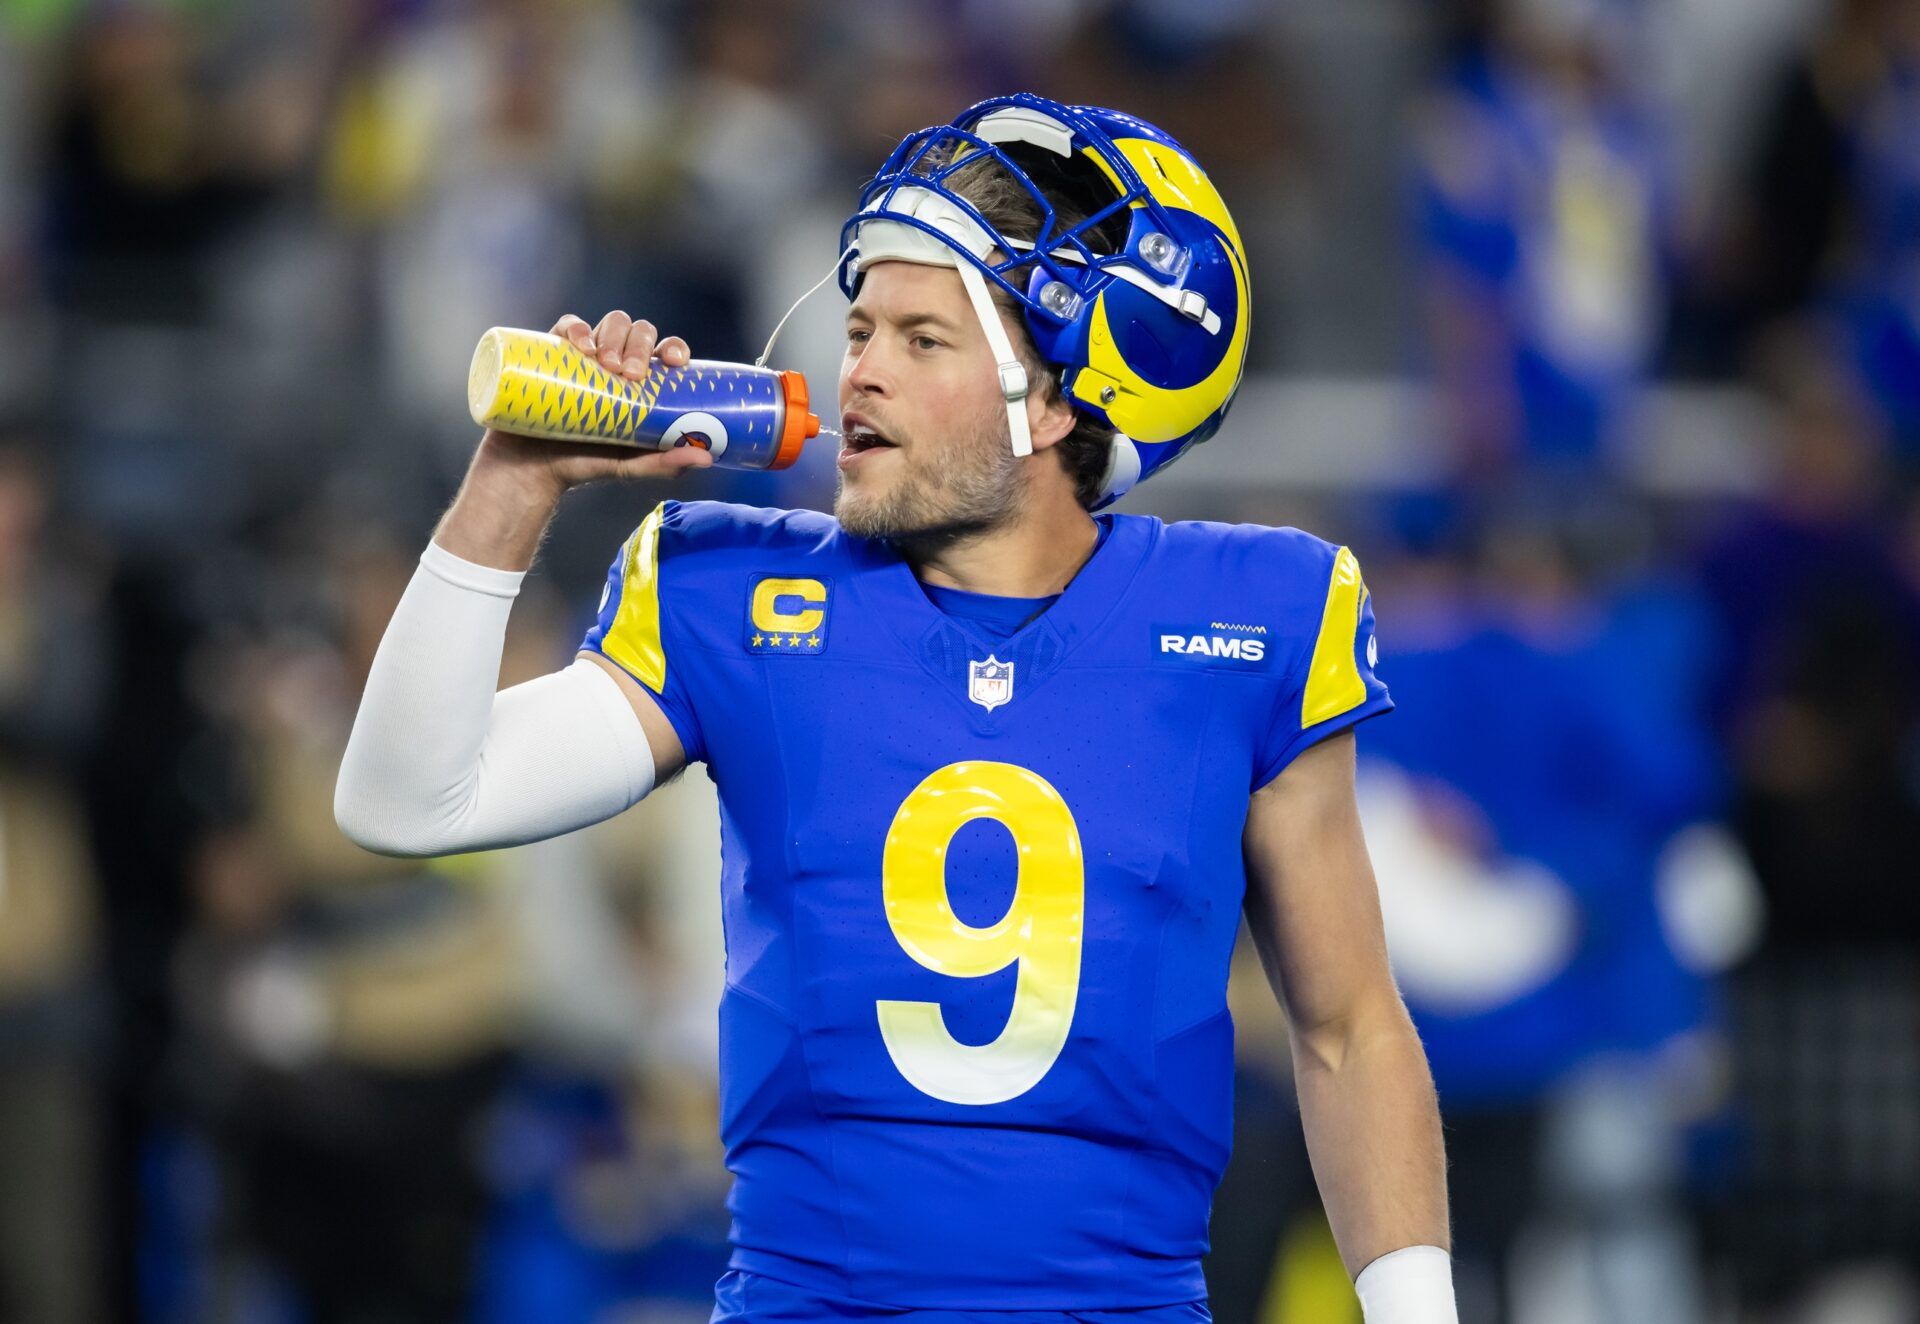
{"x": 1041, "y": 930}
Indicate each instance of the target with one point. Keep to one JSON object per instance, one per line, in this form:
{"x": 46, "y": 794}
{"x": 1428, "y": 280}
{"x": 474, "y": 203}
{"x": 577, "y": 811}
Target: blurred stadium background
{"x": 1593, "y": 325}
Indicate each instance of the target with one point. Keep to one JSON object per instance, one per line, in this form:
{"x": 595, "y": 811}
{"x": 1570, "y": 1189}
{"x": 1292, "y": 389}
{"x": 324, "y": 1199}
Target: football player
{"x": 999, "y": 770}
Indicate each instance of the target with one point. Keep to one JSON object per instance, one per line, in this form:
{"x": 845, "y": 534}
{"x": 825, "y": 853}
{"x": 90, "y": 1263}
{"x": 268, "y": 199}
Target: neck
{"x": 1030, "y": 557}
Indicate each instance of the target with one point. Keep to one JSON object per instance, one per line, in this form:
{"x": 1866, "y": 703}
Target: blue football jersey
{"x": 980, "y": 893}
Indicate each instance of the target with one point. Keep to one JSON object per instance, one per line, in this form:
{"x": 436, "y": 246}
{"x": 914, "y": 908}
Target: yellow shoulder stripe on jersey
{"x": 1334, "y": 685}
{"x": 634, "y": 638}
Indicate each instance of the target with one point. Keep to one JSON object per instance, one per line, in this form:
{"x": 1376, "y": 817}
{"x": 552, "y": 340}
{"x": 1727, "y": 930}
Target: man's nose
{"x": 869, "y": 374}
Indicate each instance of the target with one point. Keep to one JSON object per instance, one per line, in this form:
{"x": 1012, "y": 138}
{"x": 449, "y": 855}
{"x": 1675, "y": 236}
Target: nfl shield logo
{"x": 990, "y": 683}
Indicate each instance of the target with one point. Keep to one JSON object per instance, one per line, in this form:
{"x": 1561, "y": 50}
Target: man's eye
{"x": 925, "y": 342}
{"x": 857, "y": 335}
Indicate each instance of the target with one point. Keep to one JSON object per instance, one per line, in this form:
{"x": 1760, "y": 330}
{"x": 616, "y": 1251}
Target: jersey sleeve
{"x": 636, "y": 630}
{"x": 1331, "y": 684}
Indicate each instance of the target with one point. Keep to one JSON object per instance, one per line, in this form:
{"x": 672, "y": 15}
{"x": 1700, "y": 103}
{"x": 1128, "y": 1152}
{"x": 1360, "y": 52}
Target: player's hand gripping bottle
{"x": 539, "y": 385}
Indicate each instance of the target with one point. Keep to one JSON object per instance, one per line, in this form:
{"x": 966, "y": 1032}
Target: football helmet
{"x": 1149, "y": 331}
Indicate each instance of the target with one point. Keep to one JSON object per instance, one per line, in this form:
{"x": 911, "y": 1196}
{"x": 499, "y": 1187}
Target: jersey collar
{"x": 893, "y": 593}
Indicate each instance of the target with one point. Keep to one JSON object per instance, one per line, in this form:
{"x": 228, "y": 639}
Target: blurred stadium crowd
{"x": 1593, "y": 326}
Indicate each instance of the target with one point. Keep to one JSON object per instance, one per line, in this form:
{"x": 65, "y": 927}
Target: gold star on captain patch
{"x": 793, "y": 641}
{"x": 813, "y": 641}
{"x": 758, "y": 640}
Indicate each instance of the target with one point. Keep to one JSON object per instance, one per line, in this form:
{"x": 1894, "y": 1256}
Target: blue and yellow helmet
{"x": 1149, "y": 330}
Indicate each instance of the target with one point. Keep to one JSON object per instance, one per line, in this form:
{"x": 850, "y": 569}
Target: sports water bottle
{"x": 539, "y": 385}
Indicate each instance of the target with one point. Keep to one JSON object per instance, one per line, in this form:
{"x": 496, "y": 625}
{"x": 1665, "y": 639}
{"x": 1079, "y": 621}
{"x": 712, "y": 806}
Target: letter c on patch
{"x": 766, "y": 605}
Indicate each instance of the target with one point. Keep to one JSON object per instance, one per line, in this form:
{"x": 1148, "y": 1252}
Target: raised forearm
{"x": 503, "y": 508}
{"x": 1373, "y": 1131}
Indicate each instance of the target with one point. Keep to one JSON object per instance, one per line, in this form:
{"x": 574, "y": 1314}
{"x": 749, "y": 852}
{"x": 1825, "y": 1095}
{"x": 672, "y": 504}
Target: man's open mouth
{"x": 860, "y": 437}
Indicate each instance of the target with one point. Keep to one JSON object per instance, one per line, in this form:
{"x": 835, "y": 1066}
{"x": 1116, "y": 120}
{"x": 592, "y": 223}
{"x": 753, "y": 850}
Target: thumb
{"x": 659, "y": 464}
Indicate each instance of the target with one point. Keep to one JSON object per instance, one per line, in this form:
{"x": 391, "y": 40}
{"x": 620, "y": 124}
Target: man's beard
{"x": 971, "y": 487}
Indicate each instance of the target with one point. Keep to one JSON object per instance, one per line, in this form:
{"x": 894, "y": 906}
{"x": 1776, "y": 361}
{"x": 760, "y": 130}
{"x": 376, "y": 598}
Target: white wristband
{"x": 1413, "y": 1285}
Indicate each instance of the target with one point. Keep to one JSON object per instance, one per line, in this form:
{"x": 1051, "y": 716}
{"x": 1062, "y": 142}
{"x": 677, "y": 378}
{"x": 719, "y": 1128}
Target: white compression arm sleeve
{"x": 1413, "y": 1285}
{"x": 439, "y": 762}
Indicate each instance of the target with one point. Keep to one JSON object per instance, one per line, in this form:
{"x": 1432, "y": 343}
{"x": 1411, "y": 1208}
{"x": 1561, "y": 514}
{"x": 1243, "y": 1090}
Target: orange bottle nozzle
{"x": 799, "y": 425}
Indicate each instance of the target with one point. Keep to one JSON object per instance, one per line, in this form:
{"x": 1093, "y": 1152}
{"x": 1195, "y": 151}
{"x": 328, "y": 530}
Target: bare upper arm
{"x": 1312, "y": 902}
{"x": 669, "y": 756}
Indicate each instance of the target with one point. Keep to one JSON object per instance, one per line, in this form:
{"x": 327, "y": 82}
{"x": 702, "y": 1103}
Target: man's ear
{"x": 1049, "y": 416}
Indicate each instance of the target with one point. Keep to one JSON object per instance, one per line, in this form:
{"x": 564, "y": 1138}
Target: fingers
{"x": 576, "y": 332}
{"x": 620, "y": 344}
{"x": 610, "y": 339}
{"x": 623, "y": 345}
{"x": 576, "y": 463}
{"x": 658, "y": 464}
{"x": 638, "y": 349}
{"x": 679, "y": 460}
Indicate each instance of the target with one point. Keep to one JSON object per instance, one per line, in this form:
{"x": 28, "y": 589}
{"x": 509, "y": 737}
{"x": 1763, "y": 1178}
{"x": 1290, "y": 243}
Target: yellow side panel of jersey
{"x": 1334, "y": 684}
{"x": 634, "y": 638}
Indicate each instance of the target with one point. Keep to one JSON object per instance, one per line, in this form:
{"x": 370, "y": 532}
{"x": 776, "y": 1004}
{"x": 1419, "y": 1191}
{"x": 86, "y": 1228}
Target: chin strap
{"x": 1013, "y": 374}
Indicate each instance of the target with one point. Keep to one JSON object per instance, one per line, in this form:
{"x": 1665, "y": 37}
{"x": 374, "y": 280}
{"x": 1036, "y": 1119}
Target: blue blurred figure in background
{"x": 1522, "y": 820}
{"x": 1541, "y": 211}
